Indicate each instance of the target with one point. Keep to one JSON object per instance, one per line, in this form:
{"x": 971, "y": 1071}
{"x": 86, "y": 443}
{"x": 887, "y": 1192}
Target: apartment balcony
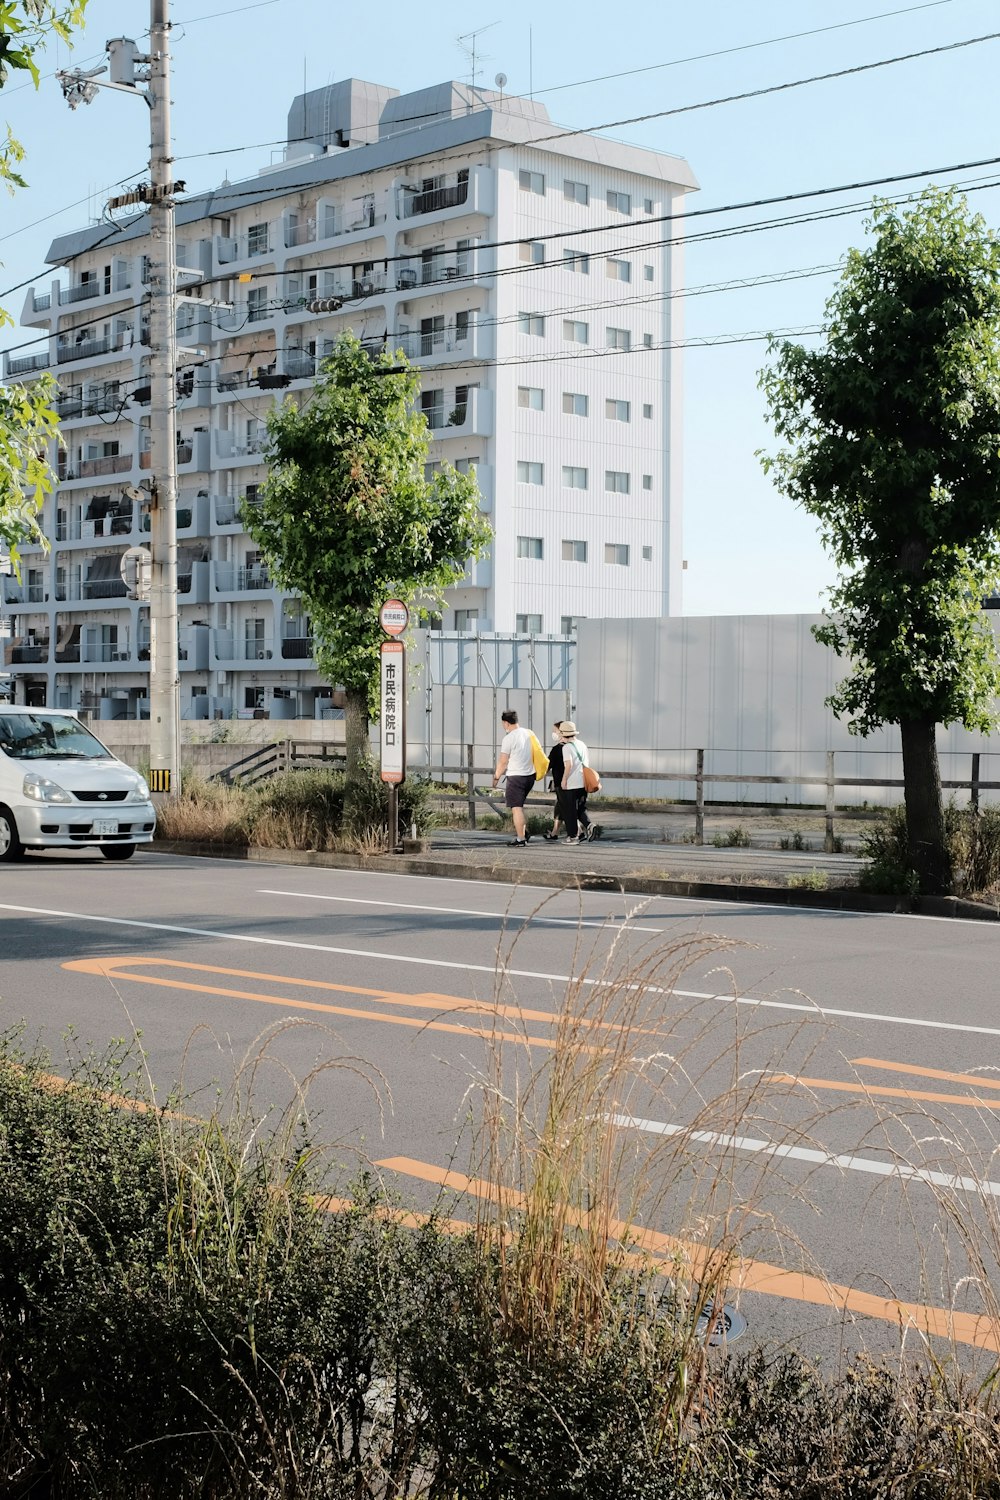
{"x": 20, "y": 591}
{"x": 95, "y": 468}
{"x": 37, "y": 309}
{"x": 193, "y": 579}
{"x": 297, "y": 364}
{"x": 297, "y": 648}
{"x": 232, "y": 449}
{"x": 453, "y": 344}
{"x": 74, "y": 405}
{"x": 255, "y": 245}
{"x": 471, "y": 191}
{"x": 105, "y": 653}
{"x": 19, "y": 654}
{"x": 231, "y": 578}
{"x": 242, "y": 651}
{"x": 112, "y": 343}
{"x": 299, "y": 232}
{"x": 25, "y": 364}
{"x": 462, "y": 418}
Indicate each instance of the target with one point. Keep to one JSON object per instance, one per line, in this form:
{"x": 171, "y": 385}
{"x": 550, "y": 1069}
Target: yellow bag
{"x": 539, "y": 756}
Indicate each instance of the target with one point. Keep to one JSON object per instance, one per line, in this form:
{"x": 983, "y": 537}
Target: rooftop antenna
{"x": 470, "y": 50}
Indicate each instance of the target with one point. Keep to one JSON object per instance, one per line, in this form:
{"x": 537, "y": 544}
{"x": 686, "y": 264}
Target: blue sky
{"x": 237, "y": 70}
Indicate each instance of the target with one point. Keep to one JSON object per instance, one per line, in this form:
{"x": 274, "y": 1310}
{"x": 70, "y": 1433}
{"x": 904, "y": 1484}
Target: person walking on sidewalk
{"x": 575, "y": 756}
{"x": 556, "y": 774}
{"x": 516, "y": 762}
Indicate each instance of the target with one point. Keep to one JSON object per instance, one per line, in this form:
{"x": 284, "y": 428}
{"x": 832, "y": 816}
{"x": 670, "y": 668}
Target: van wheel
{"x": 10, "y": 840}
{"x": 118, "y": 851}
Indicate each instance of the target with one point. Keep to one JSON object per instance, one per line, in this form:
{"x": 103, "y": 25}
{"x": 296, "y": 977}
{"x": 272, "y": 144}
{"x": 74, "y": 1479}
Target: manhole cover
{"x": 731, "y": 1327}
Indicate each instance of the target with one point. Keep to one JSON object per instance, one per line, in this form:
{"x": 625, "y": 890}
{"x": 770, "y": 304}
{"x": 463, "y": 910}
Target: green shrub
{"x": 973, "y": 841}
{"x": 809, "y": 880}
{"x": 733, "y": 838}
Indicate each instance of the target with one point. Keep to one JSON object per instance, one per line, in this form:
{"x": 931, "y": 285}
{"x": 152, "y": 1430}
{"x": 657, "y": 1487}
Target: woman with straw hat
{"x": 575, "y": 756}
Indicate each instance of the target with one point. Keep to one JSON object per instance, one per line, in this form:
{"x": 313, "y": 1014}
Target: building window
{"x": 574, "y": 332}
{"x": 647, "y": 481}
{"x": 531, "y": 396}
{"x": 528, "y": 473}
{"x": 647, "y": 273}
{"x": 578, "y": 261}
{"x": 618, "y": 411}
{"x": 432, "y": 406}
{"x": 618, "y": 270}
{"x": 619, "y": 203}
{"x": 616, "y": 480}
{"x": 532, "y": 252}
{"x": 430, "y": 469}
{"x": 467, "y": 465}
{"x": 647, "y": 205}
{"x": 256, "y": 304}
{"x": 568, "y": 624}
{"x": 574, "y": 478}
{"x": 647, "y": 341}
{"x": 530, "y": 546}
{"x": 616, "y": 553}
{"x": 257, "y": 239}
{"x": 531, "y": 182}
{"x": 466, "y": 619}
{"x": 528, "y": 624}
{"x": 533, "y": 323}
{"x": 575, "y": 404}
{"x": 576, "y": 192}
{"x": 647, "y": 408}
{"x": 618, "y": 338}
{"x": 574, "y": 552}
{"x": 647, "y": 554}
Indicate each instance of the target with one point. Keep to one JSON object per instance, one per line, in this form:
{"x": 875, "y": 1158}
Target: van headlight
{"x": 140, "y": 792}
{"x": 40, "y": 789}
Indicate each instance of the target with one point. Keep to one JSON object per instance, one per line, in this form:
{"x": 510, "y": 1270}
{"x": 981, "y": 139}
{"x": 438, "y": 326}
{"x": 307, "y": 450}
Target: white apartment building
{"x": 532, "y": 274}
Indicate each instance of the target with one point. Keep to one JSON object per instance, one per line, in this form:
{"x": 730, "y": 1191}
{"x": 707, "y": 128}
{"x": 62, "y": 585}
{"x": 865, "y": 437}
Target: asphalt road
{"x": 824, "y": 1085}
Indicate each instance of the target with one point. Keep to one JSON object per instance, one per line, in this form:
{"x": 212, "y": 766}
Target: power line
{"x": 777, "y": 88}
{"x": 789, "y": 36}
{"x": 425, "y": 115}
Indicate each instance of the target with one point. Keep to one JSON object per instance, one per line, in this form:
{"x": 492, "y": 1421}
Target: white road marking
{"x": 900, "y": 1170}
{"x": 443, "y": 963}
{"x": 456, "y": 911}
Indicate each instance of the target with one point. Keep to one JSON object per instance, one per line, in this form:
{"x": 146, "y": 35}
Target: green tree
{"x": 27, "y": 420}
{"x": 893, "y": 444}
{"x": 348, "y": 520}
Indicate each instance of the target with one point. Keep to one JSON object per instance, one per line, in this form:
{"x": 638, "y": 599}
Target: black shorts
{"x": 517, "y": 789}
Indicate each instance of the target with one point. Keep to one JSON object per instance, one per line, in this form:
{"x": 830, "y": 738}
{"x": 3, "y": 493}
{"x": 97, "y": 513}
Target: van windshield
{"x": 37, "y": 737}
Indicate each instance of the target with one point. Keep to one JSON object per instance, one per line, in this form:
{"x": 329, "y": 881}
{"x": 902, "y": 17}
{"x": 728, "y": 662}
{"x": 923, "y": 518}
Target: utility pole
{"x": 164, "y": 672}
{"x": 128, "y": 69}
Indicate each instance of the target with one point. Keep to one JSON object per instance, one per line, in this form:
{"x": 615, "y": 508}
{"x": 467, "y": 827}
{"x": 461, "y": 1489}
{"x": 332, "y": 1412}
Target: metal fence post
{"x": 831, "y": 803}
{"x": 974, "y": 785}
{"x": 699, "y": 803}
{"x": 470, "y": 774}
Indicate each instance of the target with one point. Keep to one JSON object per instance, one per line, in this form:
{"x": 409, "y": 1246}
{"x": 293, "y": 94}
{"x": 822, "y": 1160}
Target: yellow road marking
{"x": 119, "y": 968}
{"x": 702, "y": 1262}
{"x": 879, "y": 1090}
{"x": 973, "y": 1079}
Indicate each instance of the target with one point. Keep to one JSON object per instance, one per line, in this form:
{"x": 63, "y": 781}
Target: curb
{"x": 840, "y": 898}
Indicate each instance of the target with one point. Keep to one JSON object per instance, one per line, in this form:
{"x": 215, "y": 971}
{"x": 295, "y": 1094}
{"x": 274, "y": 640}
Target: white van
{"x": 60, "y": 788}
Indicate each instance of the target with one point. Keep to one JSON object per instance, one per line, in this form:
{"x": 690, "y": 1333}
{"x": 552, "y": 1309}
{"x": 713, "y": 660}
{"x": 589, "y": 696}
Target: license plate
{"x": 105, "y": 825}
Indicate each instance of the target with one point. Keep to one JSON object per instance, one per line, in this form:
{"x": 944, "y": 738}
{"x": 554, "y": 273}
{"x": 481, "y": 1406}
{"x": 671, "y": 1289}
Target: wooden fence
{"x": 702, "y": 779}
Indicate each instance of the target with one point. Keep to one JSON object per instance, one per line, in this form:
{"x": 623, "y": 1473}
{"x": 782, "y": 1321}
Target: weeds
{"x": 809, "y": 880}
{"x": 732, "y": 838}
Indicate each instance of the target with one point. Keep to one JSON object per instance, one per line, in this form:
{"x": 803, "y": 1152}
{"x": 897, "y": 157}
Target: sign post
{"x": 394, "y": 618}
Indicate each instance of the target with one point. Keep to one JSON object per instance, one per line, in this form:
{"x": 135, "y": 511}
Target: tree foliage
{"x": 348, "y": 520}
{"x": 27, "y": 420}
{"x": 892, "y": 441}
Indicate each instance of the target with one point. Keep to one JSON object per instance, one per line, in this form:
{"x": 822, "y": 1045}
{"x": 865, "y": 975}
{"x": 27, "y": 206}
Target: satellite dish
{"x": 501, "y": 81}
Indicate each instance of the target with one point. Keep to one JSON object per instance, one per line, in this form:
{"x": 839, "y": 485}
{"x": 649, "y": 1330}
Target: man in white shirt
{"x": 517, "y": 763}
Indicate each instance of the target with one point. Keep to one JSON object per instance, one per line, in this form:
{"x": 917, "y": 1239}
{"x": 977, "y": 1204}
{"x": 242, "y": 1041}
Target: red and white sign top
{"x": 394, "y": 617}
